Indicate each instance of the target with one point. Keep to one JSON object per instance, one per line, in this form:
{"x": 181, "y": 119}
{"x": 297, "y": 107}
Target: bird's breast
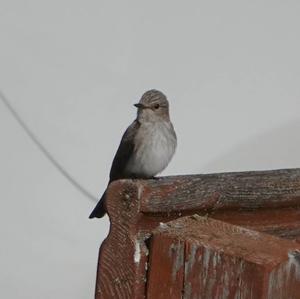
{"x": 155, "y": 144}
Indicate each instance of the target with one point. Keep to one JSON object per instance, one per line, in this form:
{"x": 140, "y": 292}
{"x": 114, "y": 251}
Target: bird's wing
{"x": 118, "y": 167}
{"x": 123, "y": 153}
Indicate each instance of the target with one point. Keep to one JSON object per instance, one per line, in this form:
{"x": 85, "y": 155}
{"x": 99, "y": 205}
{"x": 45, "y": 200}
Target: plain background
{"x": 73, "y": 69}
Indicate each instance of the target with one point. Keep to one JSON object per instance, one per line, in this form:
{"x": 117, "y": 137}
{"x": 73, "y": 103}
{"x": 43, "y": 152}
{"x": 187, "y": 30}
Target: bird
{"x": 146, "y": 147}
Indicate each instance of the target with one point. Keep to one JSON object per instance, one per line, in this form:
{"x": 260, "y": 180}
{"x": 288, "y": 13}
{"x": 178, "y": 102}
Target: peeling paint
{"x": 137, "y": 252}
{"x": 280, "y": 278}
{"x": 293, "y": 266}
{"x": 140, "y": 192}
{"x": 177, "y": 250}
{"x": 226, "y": 285}
{"x": 163, "y": 225}
{"x": 206, "y": 257}
{"x": 146, "y": 250}
{"x": 190, "y": 259}
{"x": 276, "y": 281}
{"x": 187, "y": 291}
{"x": 251, "y": 233}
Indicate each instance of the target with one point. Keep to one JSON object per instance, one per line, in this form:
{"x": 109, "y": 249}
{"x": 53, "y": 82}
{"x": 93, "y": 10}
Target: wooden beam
{"x": 198, "y": 257}
{"x": 266, "y": 201}
{"x": 237, "y": 190}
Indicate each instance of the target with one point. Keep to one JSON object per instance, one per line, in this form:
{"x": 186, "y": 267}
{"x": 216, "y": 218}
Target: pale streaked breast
{"x": 155, "y": 145}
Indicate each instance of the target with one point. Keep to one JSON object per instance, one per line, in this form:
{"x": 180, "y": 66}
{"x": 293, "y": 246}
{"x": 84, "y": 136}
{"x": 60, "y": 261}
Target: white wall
{"x": 73, "y": 69}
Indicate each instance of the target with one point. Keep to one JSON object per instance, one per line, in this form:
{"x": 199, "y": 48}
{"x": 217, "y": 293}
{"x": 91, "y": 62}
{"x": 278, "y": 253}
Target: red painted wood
{"x": 222, "y": 261}
{"x": 264, "y": 201}
{"x": 123, "y": 255}
{"x": 166, "y": 273}
{"x": 237, "y": 190}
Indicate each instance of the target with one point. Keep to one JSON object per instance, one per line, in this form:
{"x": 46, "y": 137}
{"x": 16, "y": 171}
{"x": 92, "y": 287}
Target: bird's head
{"x": 152, "y": 107}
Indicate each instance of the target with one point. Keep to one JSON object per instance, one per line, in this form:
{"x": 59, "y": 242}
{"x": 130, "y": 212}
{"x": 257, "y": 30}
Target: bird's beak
{"x": 138, "y": 105}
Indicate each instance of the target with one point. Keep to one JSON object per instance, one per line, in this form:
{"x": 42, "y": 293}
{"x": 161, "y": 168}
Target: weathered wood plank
{"x": 237, "y": 190}
{"x": 227, "y": 261}
{"x": 165, "y": 278}
{"x": 282, "y": 222}
{"x": 123, "y": 255}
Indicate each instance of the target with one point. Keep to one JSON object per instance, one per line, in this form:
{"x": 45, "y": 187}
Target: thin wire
{"x": 44, "y": 150}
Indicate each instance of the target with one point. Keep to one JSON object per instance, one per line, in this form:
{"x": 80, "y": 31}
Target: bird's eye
{"x": 156, "y": 106}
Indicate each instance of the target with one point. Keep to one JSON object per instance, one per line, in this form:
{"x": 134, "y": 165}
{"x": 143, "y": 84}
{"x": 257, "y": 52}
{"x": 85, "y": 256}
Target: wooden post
{"x": 198, "y": 257}
{"x": 267, "y": 201}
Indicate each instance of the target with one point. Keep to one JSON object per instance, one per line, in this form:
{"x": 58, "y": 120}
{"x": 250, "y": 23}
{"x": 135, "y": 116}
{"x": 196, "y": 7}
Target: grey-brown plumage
{"x": 147, "y": 145}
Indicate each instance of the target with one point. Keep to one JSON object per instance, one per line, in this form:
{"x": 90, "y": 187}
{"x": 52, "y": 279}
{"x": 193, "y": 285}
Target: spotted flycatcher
{"x": 147, "y": 145}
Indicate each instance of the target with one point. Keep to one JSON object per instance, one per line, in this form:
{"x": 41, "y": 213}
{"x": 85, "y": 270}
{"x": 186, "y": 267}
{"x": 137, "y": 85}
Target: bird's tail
{"x": 99, "y": 211}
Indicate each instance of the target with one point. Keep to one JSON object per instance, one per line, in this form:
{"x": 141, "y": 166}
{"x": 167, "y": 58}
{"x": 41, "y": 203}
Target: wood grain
{"x": 282, "y": 222}
{"x": 123, "y": 255}
{"x": 166, "y": 268}
{"x": 267, "y": 201}
{"x": 238, "y": 190}
{"x": 223, "y": 261}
